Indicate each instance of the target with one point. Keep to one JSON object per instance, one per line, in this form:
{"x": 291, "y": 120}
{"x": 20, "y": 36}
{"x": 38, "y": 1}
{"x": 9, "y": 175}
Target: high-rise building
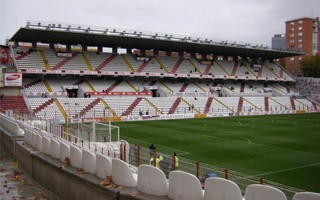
{"x": 278, "y": 42}
{"x": 303, "y": 34}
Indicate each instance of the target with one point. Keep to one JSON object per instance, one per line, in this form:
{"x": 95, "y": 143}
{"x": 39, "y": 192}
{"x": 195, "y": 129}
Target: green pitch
{"x": 280, "y": 148}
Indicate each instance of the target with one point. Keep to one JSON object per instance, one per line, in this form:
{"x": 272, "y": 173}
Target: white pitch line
{"x": 285, "y": 170}
{"x": 249, "y": 141}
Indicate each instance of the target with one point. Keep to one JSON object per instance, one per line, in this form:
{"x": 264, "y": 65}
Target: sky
{"x": 252, "y": 21}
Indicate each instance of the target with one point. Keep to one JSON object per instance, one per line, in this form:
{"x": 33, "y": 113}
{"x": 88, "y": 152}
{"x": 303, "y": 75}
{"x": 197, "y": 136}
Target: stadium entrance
{"x": 72, "y": 90}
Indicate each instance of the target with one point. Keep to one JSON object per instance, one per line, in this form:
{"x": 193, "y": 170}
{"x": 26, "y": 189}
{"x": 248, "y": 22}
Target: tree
{"x": 310, "y": 66}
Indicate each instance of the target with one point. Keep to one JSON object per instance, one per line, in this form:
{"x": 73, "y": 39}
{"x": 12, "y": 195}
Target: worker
{"x": 175, "y": 164}
{"x": 158, "y": 159}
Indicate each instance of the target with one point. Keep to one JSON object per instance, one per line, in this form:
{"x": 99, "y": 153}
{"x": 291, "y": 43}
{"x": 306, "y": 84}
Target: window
{"x": 300, "y": 40}
{"x": 300, "y": 58}
{"x": 291, "y": 35}
{"x": 300, "y": 34}
{"x": 292, "y": 59}
{"x": 291, "y": 41}
{"x": 300, "y": 46}
{"x": 291, "y": 29}
{"x": 300, "y": 21}
{"x": 292, "y": 23}
{"x": 300, "y": 28}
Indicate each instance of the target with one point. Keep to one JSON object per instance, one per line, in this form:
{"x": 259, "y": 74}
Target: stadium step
{"x": 42, "y": 106}
{"x": 89, "y": 107}
{"x": 255, "y": 107}
{"x": 108, "y": 107}
{"x": 304, "y": 105}
{"x": 272, "y": 71}
{"x": 203, "y": 90}
{"x": 190, "y": 106}
{"x": 90, "y": 86}
{"x": 127, "y": 62}
{"x": 223, "y": 68}
{"x": 114, "y": 85}
{"x": 44, "y": 59}
{"x": 234, "y": 69}
{"x": 132, "y": 106}
{"x": 266, "y": 104}
{"x": 105, "y": 62}
{"x": 250, "y": 70}
{"x": 184, "y": 86}
{"x": 153, "y": 106}
{"x": 46, "y": 84}
{"x": 15, "y": 103}
{"x": 206, "y": 71}
{"x": 242, "y": 87}
{"x": 132, "y": 86}
{"x": 161, "y": 65}
{"x": 174, "y": 106}
{"x": 64, "y": 114}
{"x": 208, "y": 105}
{"x": 63, "y": 62}
{"x": 281, "y": 105}
{"x": 166, "y": 86}
{"x": 240, "y": 104}
{"x": 281, "y": 73}
{"x": 198, "y": 70}
{"x": 23, "y": 55}
{"x": 260, "y": 72}
{"x": 144, "y": 64}
{"x": 79, "y": 82}
{"x": 227, "y": 107}
{"x": 177, "y": 65}
{"x": 293, "y": 105}
{"x": 86, "y": 61}
{"x": 32, "y": 83}
{"x": 314, "y": 106}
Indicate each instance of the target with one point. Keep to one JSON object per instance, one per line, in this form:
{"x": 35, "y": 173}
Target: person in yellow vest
{"x": 176, "y": 159}
{"x": 158, "y": 159}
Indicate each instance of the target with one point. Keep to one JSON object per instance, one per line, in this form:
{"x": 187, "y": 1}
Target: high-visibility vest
{"x": 157, "y": 162}
{"x": 177, "y": 161}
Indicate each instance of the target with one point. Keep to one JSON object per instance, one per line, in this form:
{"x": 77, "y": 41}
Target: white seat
{"x": 64, "y": 151}
{"x": 76, "y": 157}
{"x": 122, "y": 175}
{"x": 39, "y": 142}
{"x": 55, "y": 149}
{"x": 46, "y": 145}
{"x": 88, "y": 162}
{"x": 263, "y": 192}
{"x": 220, "y": 188}
{"x": 184, "y": 186}
{"x": 103, "y": 166}
{"x": 306, "y": 196}
{"x": 152, "y": 180}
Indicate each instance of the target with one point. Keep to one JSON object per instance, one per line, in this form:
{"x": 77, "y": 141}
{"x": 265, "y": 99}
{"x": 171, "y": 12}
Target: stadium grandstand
{"x": 66, "y": 74}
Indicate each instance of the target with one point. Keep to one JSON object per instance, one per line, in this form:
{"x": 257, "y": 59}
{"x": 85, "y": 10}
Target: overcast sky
{"x": 253, "y": 21}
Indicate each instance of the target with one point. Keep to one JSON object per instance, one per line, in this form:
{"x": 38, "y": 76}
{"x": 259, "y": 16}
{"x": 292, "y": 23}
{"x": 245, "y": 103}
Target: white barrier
{"x": 152, "y": 180}
{"x": 39, "y": 142}
{"x": 55, "y": 149}
{"x": 11, "y": 125}
{"x": 306, "y": 196}
{"x": 220, "y": 188}
{"x": 34, "y": 140}
{"x": 103, "y": 166}
{"x": 122, "y": 175}
{"x": 46, "y": 145}
{"x": 183, "y": 185}
{"x": 64, "y": 151}
{"x": 88, "y": 162}
{"x": 76, "y": 157}
{"x": 263, "y": 192}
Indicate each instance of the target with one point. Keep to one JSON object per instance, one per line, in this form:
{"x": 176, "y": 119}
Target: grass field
{"x": 280, "y": 148}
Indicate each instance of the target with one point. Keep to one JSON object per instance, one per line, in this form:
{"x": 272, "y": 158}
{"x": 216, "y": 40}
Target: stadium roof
{"x": 88, "y": 36}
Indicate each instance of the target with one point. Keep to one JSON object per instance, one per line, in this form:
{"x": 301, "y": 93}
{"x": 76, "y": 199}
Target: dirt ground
{"x": 14, "y": 184}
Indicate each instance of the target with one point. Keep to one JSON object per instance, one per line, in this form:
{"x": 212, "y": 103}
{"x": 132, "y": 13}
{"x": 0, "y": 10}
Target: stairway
{"x": 104, "y": 63}
{"x": 183, "y": 88}
{"x": 84, "y": 57}
{"x": 260, "y": 72}
{"x": 208, "y": 105}
{"x": 223, "y": 104}
{"x": 242, "y": 87}
{"x": 63, "y": 62}
{"x": 44, "y": 59}
{"x": 108, "y": 107}
{"x": 32, "y": 83}
{"x": 234, "y": 69}
{"x": 132, "y": 106}
{"x": 89, "y": 107}
{"x": 42, "y": 106}
{"x": 144, "y": 65}
{"x": 266, "y": 104}
{"x": 15, "y": 103}
{"x": 174, "y": 106}
{"x": 293, "y": 105}
{"x": 206, "y": 71}
{"x": 115, "y": 84}
{"x": 161, "y": 65}
{"x": 176, "y": 66}
{"x": 240, "y": 104}
{"x": 195, "y": 66}
{"x": 127, "y": 62}
{"x": 224, "y": 69}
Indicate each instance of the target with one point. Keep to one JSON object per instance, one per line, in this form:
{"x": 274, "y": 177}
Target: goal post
{"x": 99, "y": 132}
